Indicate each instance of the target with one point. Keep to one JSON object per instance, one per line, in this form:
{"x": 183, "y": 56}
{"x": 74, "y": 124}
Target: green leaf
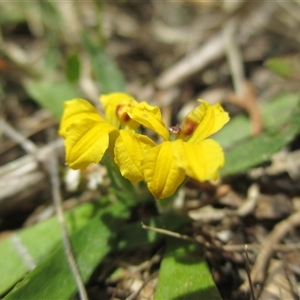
{"x": 184, "y": 273}
{"x": 52, "y": 278}
{"x": 287, "y": 66}
{"x": 51, "y": 95}
{"x": 91, "y": 244}
{"x": 38, "y": 241}
{"x": 259, "y": 149}
{"x": 107, "y": 73}
{"x": 73, "y": 68}
{"x": 275, "y": 113}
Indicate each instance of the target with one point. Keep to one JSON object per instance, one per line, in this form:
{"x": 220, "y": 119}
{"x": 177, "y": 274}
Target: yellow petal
{"x": 129, "y": 149}
{"x": 201, "y": 161}
{"x": 203, "y": 121}
{"x": 86, "y": 142}
{"x": 75, "y": 110}
{"x": 150, "y": 117}
{"x": 161, "y": 172}
{"x": 115, "y": 106}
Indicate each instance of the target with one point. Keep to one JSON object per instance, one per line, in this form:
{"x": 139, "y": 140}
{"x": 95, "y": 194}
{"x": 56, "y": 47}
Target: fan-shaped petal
{"x": 161, "y": 172}
{"x": 201, "y": 161}
{"x": 202, "y": 122}
{"x": 75, "y": 110}
{"x": 116, "y": 106}
{"x": 150, "y": 117}
{"x": 129, "y": 150}
{"x": 86, "y": 142}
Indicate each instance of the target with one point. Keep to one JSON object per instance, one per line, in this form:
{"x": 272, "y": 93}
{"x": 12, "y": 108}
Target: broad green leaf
{"x": 38, "y": 241}
{"x": 91, "y": 244}
{"x": 259, "y": 149}
{"x": 51, "y": 95}
{"x": 184, "y": 273}
{"x": 52, "y": 278}
{"x": 73, "y": 67}
{"x": 107, "y": 73}
{"x": 275, "y": 113}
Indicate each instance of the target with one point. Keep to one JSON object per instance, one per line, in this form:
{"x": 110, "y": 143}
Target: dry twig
{"x": 26, "y": 144}
{"x": 67, "y": 246}
{"x": 234, "y": 56}
{"x": 214, "y": 48}
{"x": 25, "y": 172}
{"x": 209, "y": 213}
{"x": 259, "y": 269}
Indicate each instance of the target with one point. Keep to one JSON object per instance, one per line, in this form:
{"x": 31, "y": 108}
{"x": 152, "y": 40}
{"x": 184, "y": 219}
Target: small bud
{"x": 175, "y": 129}
{"x": 174, "y": 132}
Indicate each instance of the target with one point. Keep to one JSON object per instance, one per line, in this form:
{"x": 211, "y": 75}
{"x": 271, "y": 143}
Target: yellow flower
{"x": 185, "y": 152}
{"x": 87, "y": 133}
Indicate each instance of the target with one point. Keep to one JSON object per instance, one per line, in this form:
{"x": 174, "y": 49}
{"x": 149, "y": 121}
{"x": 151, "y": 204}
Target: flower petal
{"x": 86, "y": 142}
{"x": 201, "y": 161}
{"x": 75, "y": 110}
{"x": 115, "y": 106}
{"x": 203, "y": 121}
{"x": 150, "y": 117}
{"x": 161, "y": 171}
{"x": 129, "y": 149}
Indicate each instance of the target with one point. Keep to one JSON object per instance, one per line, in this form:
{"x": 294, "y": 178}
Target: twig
{"x": 256, "y": 247}
{"x": 214, "y": 48}
{"x": 53, "y": 170}
{"x": 250, "y": 204}
{"x": 248, "y": 273}
{"x": 209, "y": 213}
{"x": 225, "y": 248}
{"x": 28, "y": 163}
{"x": 291, "y": 280}
{"x": 234, "y": 56}
{"x": 169, "y": 233}
{"x": 135, "y": 294}
{"x": 14, "y": 54}
{"x": 18, "y": 175}
{"x": 31, "y": 125}
{"x": 259, "y": 269}
{"x": 248, "y": 101}
{"x": 26, "y": 144}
